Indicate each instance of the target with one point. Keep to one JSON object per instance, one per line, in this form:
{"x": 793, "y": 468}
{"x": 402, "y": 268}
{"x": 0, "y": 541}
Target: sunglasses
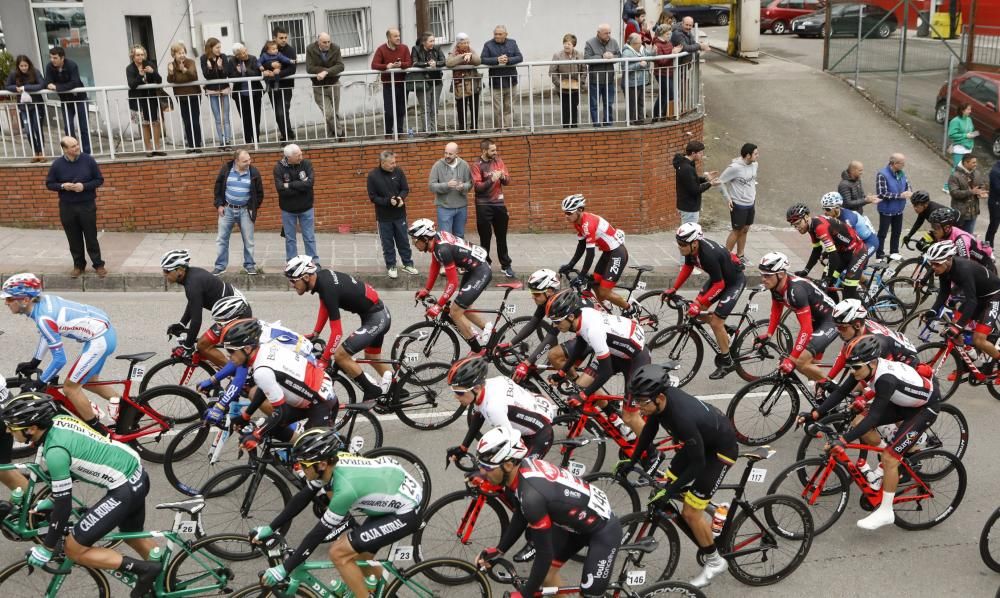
{"x": 460, "y": 391}
{"x": 487, "y": 466}
{"x": 17, "y": 428}
{"x": 856, "y": 366}
{"x": 644, "y": 401}
{"x": 307, "y": 464}
{"x": 828, "y": 209}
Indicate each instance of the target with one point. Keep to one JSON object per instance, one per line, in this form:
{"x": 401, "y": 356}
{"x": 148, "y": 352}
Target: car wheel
{"x": 722, "y": 18}
{"x": 996, "y": 145}
{"x": 779, "y": 28}
{"x": 941, "y": 112}
{"x": 884, "y": 30}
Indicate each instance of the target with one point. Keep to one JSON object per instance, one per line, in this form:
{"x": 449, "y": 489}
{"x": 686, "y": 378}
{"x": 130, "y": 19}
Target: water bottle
{"x": 340, "y": 589}
{"x": 113, "y": 406}
{"x": 156, "y": 554}
{"x": 719, "y": 518}
{"x": 484, "y": 336}
{"x": 17, "y": 497}
{"x": 622, "y": 428}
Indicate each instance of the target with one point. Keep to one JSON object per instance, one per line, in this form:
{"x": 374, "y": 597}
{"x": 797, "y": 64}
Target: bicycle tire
{"x": 438, "y": 533}
{"x": 916, "y": 270}
{"x": 637, "y": 526}
{"x": 778, "y": 526}
{"x": 427, "y": 575}
{"x": 990, "y": 557}
{"x": 912, "y": 325}
{"x": 886, "y": 308}
{"x": 188, "y": 375}
{"x": 656, "y": 314}
{"x": 506, "y": 364}
{"x": 428, "y": 346}
{"x": 907, "y": 290}
{"x": 956, "y": 444}
{"x": 681, "y": 345}
{"x": 939, "y": 484}
{"x": 752, "y": 365}
{"x": 259, "y": 591}
{"x": 812, "y": 446}
{"x": 672, "y": 588}
{"x": 228, "y": 493}
{"x": 188, "y": 474}
{"x": 20, "y": 585}
{"x": 826, "y": 506}
{"x": 418, "y": 394}
{"x": 591, "y": 456}
{"x": 622, "y": 496}
{"x": 153, "y": 447}
{"x": 949, "y": 369}
{"x": 361, "y": 430}
{"x": 201, "y": 551}
{"x": 418, "y": 470}
{"x": 772, "y": 399}
{"x": 343, "y": 389}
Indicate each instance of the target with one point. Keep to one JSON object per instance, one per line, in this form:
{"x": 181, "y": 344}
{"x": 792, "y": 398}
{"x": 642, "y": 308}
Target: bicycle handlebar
{"x": 502, "y": 571}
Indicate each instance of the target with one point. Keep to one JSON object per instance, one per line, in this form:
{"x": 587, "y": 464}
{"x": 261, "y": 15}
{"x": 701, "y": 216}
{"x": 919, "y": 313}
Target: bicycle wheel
{"x": 434, "y": 578}
{"x": 171, "y": 404}
{"x": 656, "y": 314}
{"x": 672, "y": 588}
{"x": 950, "y": 431}
{"x": 826, "y": 498}
{"x": 206, "y": 459}
{"x": 682, "y": 345}
{"x": 505, "y": 364}
{"x": 199, "y": 568}
{"x": 812, "y": 446}
{"x": 426, "y": 342}
{"x": 948, "y": 367}
{"x": 422, "y": 399}
{"x": 924, "y": 505}
{"x": 175, "y": 370}
{"x": 80, "y": 581}
{"x": 661, "y": 563}
{"x": 622, "y": 496}
{"x": 451, "y": 528}
{"x": 582, "y": 460}
{"x": 411, "y": 463}
{"x": 360, "y": 429}
{"x": 989, "y": 542}
{"x": 753, "y": 364}
{"x": 913, "y": 325}
{"x": 238, "y": 500}
{"x": 772, "y": 538}
{"x": 887, "y": 308}
{"x": 764, "y": 410}
{"x": 908, "y": 291}
{"x": 343, "y": 389}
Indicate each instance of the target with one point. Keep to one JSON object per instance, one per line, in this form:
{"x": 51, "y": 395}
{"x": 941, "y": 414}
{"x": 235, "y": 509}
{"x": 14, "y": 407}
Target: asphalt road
{"x": 846, "y": 561}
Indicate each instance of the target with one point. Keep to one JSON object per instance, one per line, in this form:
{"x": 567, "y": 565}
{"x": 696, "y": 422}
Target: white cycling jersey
{"x": 610, "y": 334}
{"x": 286, "y": 376}
{"x": 505, "y": 404}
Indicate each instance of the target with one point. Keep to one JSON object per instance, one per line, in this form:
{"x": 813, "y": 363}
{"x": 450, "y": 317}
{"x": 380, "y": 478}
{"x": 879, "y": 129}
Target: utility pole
{"x": 423, "y": 17}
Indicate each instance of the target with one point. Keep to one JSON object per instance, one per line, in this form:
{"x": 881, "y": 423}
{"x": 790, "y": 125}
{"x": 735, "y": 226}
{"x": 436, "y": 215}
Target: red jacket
{"x": 488, "y": 190}
{"x": 384, "y": 57}
{"x": 662, "y": 66}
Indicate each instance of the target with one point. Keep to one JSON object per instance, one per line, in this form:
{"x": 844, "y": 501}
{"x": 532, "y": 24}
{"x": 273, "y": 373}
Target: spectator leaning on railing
{"x": 501, "y": 54}
{"x": 426, "y": 83}
{"x": 664, "y": 72}
{"x": 601, "y": 86}
{"x": 25, "y": 80}
{"x": 247, "y": 95}
{"x": 182, "y": 71}
{"x": 214, "y": 65}
{"x": 63, "y": 75}
{"x": 467, "y": 83}
{"x": 392, "y": 58}
{"x": 145, "y": 103}
{"x": 280, "y": 93}
{"x": 568, "y": 80}
{"x": 636, "y": 74}
{"x": 324, "y": 62}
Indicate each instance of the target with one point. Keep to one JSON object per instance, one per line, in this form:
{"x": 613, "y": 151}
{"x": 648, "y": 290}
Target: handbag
{"x": 25, "y": 97}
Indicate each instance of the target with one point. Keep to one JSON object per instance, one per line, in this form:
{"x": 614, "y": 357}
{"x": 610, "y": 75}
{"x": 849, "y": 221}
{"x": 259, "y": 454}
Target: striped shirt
{"x": 238, "y": 188}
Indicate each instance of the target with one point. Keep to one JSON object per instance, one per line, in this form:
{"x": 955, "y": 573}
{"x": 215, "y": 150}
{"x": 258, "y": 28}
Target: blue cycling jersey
{"x": 58, "y": 318}
{"x": 861, "y": 225}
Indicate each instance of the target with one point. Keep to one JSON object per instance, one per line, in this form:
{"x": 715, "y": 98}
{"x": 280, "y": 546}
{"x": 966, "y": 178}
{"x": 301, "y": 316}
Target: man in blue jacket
{"x": 893, "y": 189}
{"x": 501, "y": 54}
{"x": 76, "y": 177}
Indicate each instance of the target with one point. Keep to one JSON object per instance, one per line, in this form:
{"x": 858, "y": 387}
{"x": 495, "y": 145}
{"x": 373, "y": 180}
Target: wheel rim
{"x": 940, "y": 114}
{"x": 778, "y": 28}
{"x": 884, "y": 31}
{"x": 723, "y": 19}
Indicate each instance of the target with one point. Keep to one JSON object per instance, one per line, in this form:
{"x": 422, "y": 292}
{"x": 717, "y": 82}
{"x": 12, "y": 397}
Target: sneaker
{"x": 251, "y": 270}
{"x": 525, "y": 554}
{"x": 712, "y": 568}
{"x": 878, "y": 518}
{"x": 392, "y": 273}
{"x": 410, "y": 269}
{"x": 508, "y": 272}
{"x": 218, "y": 271}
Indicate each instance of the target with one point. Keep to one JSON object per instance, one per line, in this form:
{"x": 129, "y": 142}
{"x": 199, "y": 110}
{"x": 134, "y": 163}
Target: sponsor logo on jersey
{"x": 571, "y": 493}
{"x": 377, "y": 532}
{"x": 95, "y": 514}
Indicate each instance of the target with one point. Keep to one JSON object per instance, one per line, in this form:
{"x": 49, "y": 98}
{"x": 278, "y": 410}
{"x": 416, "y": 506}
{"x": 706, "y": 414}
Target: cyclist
{"x": 379, "y": 488}
{"x": 71, "y": 451}
{"x": 977, "y": 288}
{"x": 943, "y": 228}
{"x": 453, "y": 253}
{"x": 564, "y": 515}
{"x": 833, "y": 206}
{"x": 338, "y": 291}
{"x": 593, "y": 231}
{"x": 924, "y": 207}
{"x": 709, "y": 450}
{"x": 812, "y": 307}
{"x": 56, "y": 319}
{"x": 10, "y": 478}
{"x": 202, "y": 289}
{"x": 845, "y": 252}
{"x": 725, "y": 285}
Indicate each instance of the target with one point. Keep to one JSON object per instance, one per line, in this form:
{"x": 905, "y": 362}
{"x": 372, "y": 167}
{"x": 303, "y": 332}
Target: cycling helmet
{"x": 773, "y": 262}
{"x": 4, "y": 393}
{"x": 849, "y": 310}
{"x": 920, "y": 197}
{"x": 543, "y": 279}
{"x": 29, "y": 409}
{"x": 231, "y": 308}
{"x": 941, "y": 251}
{"x": 573, "y": 202}
{"x": 175, "y": 258}
{"x": 299, "y": 266}
{"x": 689, "y": 232}
{"x": 562, "y": 304}
{"x": 499, "y": 445}
{"x": 796, "y": 212}
{"x": 649, "y": 381}
{"x": 317, "y": 444}
{"x": 865, "y": 350}
{"x": 22, "y": 286}
{"x": 831, "y": 200}
{"x": 944, "y": 216}
{"x": 467, "y": 372}
{"x": 423, "y": 227}
{"x": 241, "y": 333}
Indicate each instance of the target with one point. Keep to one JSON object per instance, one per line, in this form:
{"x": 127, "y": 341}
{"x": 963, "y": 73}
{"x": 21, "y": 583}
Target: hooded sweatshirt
{"x": 690, "y": 186}
{"x": 739, "y": 181}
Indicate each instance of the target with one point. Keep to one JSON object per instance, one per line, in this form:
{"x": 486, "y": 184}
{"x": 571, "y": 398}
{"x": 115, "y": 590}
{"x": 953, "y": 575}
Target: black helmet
{"x": 29, "y": 409}
{"x": 796, "y": 212}
{"x": 866, "y": 349}
{"x": 562, "y": 304}
{"x": 241, "y": 333}
{"x": 649, "y": 381}
{"x": 317, "y": 444}
{"x": 944, "y": 216}
{"x": 920, "y": 197}
{"x": 467, "y": 372}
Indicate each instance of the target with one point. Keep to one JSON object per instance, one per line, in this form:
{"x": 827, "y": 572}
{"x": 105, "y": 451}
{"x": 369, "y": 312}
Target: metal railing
{"x": 549, "y": 95}
{"x": 986, "y": 45}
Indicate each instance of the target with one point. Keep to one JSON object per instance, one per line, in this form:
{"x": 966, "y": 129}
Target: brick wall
{"x": 626, "y": 175}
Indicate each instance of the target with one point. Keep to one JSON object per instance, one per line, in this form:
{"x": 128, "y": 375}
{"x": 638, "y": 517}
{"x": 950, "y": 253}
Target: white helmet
{"x": 941, "y": 251}
{"x": 423, "y": 227}
{"x": 175, "y": 258}
{"x": 773, "y": 263}
{"x": 573, "y": 202}
{"x": 689, "y": 232}
{"x": 543, "y": 279}
{"x": 230, "y": 308}
{"x": 299, "y": 266}
{"x": 499, "y": 445}
{"x": 831, "y": 200}
{"x": 849, "y": 310}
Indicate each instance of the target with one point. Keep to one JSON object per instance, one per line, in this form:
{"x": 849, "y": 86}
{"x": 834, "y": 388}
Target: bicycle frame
{"x": 689, "y": 323}
{"x": 17, "y": 529}
{"x": 589, "y": 411}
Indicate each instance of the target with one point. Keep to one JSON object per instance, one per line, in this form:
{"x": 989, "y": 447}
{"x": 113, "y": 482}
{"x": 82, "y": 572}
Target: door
{"x": 139, "y": 30}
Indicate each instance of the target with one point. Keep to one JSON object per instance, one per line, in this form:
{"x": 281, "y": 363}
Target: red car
{"x": 982, "y": 91}
{"x": 776, "y": 15}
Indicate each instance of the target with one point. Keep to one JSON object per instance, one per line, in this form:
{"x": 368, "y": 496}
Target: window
{"x": 139, "y": 30}
{"x": 351, "y": 30}
{"x": 65, "y": 25}
{"x": 971, "y": 87}
{"x": 443, "y": 21}
{"x": 989, "y": 92}
{"x": 299, "y": 28}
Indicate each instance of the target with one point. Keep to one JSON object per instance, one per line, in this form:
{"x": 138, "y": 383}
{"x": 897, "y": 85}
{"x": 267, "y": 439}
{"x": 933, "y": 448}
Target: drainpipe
{"x": 239, "y": 19}
{"x": 194, "y": 42}
{"x": 399, "y": 15}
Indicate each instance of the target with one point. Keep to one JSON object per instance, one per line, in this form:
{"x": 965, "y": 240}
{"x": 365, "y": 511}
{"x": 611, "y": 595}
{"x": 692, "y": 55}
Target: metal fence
{"x": 547, "y": 95}
{"x": 986, "y": 45}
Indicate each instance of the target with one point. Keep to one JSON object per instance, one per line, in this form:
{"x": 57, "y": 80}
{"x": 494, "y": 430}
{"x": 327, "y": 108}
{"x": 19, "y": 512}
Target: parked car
{"x": 875, "y": 22}
{"x": 982, "y": 91}
{"x": 704, "y": 14}
{"x": 776, "y": 15}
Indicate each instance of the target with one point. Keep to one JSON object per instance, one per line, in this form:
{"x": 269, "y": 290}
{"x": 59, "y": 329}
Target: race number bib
{"x": 478, "y": 252}
{"x": 599, "y": 503}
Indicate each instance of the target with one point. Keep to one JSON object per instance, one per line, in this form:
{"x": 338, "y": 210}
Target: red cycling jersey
{"x": 595, "y": 231}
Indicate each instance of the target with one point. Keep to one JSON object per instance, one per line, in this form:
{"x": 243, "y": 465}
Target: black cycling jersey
{"x": 341, "y": 291}
{"x": 922, "y": 217}
{"x": 202, "y": 289}
{"x": 835, "y": 238}
{"x": 449, "y": 249}
{"x": 972, "y": 284}
{"x": 716, "y": 261}
{"x": 802, "y": 293}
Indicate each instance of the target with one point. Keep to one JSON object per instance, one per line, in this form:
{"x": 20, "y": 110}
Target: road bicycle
{"x": 878, "y": 296}
{"x": 956, "y": 362}
{"x": 989, "y": 542}
{"x": 765, "y": 409}
{"x": 931, "y": 485}
{"x": 646, "y": 309}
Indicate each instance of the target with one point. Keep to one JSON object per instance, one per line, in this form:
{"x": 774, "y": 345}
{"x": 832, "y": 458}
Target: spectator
{"x": 323, "y": 60}
{"x": 450, "y": 181}
{"x": 426, "y": 83}
{"x": 273, "y": 60}
{"x": 962, "y": 134}
{"x": 893, "y": 189}
{"x": 739, "y": 185}
{"x": 388, "y": 188}
{"x": 851, "y": 189}
{"x": 76, "y": 177}
{"x": 664, "y": 23}
{"x": 239, "y": 193}
{"x": 629, "y": 10}
{"x": 467, "y": 83}
{"x": 967, "y": 186}
{"x": 280, "y": 93}
{"x": 683, "y": 36}
{"x": 215, "y": 65}
{"x": 993, "y": 203}
{"x": 62, "y": 75}
{"x": 640, "y": 26}
{"x": 489, "y": 176}
{"x": 501, "y": 54}
{"x": 248, "y": 95}
{"x": 690, "y": 185}
{"x": 636, "y": 78}
{"x": 393, "y": 58}
{"x": 25, "y": 80}
{"x": 663, "y": 69}
{"x": 294, "y": 179}
{"x": 145, "y": 103}
{"x": 182, "y": 71}
{"x": 568, "y": 79}
{"x": 601, "y": 85}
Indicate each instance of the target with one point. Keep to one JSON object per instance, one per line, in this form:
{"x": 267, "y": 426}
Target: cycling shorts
{"x": 854, "y": 266}
{"x": 381, "y": 531}
{"x": 987, "y": 315}
{"x": 602, "y": 549}
{"x": 370, "y": 335}
{"x": 539, "y": 443}
{"x": 91, "y": 360}
{"x": 6, "y": 445}
{"x": 912, "y": 421}
{"x": 123, "y": 507}
{"x": 729, "y": 297}
{"x": 570, "y": 345}
{"x": 610, "y": 267}
{"x": 707, "y": 482}
{"x": 321, "y": 414}
{"x": 472, "y": 285}
{"x": 824, "y": 333}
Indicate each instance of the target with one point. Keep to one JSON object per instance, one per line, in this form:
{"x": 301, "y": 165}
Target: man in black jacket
{"x": 690, "y": 185}
{"x": 851, "y": 189}
{"x": 239, "y": 192}
{"x": 75, "y": 178}
{"x": 387, "y": 188}
{"x": 281, "y": 94}
{"x": 62, "y": 75}
{"x": 293, "y": 178}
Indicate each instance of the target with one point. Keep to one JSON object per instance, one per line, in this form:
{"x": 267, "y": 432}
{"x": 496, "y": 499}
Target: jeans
{"x": 393, "y": 236}
{"x": 306, "y": 220}
{"x": 467, "y": 113}
{"x": 493, "y": 218}
{"x": 570, "y": 107}
{"x": 230, "y": 217}
{"x": 452, "y": 220}
{"x": 79, "y": 220}
{"x": 281, "y": 100}
{"x": 327, "y": 97}
{"x": 249, "y": 108}
{"x": 428, "y": 94}
{"x": 664, "y": 101}
{"x": 394, "y": 107}
{"x": 32, "y": 115}
{"x": 602, "y": 86}
{"x": 991, "y": 230}
{"x": 968, "y": 225}
{"x": 884, "y": 222}
{"x": 190, "y": 106}
{"x": 220, "y": 111}
{"x": 687, "y": 217}
{"x": 73, "y": 112}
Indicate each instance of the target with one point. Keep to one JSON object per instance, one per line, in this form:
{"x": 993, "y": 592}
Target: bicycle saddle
{"x": 642, "y": 268}
{"x": 136, "y": 356}
{"x": 758, "y": 454}
{"x": 646, "y": 545}
{"x": 190, "y": 506}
